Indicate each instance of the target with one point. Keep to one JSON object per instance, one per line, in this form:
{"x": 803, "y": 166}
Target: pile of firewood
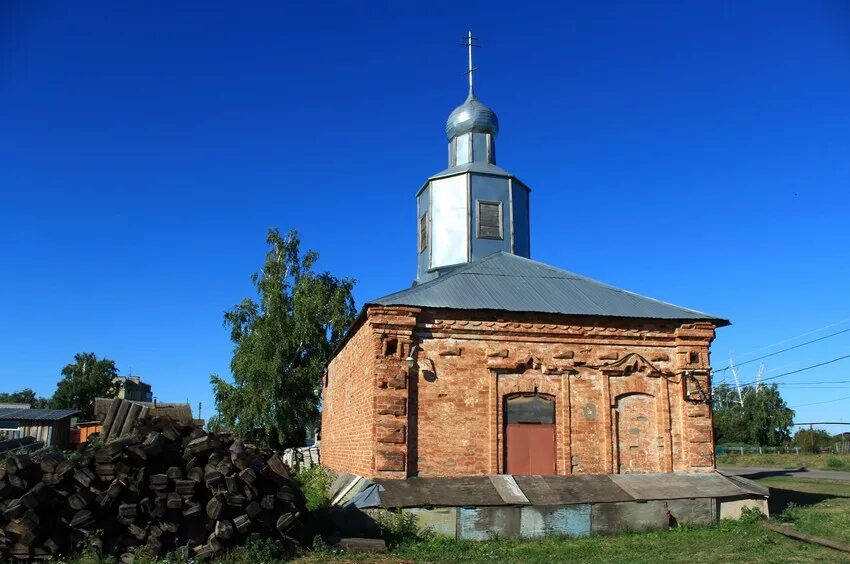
{"x": 166, "y": 488}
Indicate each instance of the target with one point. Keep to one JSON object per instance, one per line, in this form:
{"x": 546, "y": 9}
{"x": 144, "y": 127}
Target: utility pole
{"x": 812, "y": 437}
{"x": 759, "y": 374}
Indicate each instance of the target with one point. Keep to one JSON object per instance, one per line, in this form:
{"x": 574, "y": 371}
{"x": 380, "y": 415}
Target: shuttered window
{"x": 423, "y": 232}
{"x": 489, "y": 220}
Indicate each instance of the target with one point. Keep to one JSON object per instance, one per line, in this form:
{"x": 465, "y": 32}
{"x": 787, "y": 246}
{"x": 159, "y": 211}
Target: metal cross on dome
{"x": 469, "y": 44}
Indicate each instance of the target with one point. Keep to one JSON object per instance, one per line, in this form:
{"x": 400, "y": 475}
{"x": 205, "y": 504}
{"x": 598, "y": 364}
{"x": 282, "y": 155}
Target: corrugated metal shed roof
{"x": 36, "y": 414}
{"x": 506, "y": 282}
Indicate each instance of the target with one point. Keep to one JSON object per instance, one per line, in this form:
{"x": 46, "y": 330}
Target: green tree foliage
{"x": 24, "y": 396}
{"x": 812, "y": 441}
{"x": 764, "y": 419}
{"x": 85, "y": 379}
{"x": 282, "y": 342}
{"x": 728, "y": 416}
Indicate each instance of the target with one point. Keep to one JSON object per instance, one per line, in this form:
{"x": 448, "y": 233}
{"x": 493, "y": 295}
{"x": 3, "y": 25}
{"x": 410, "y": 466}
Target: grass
{"x": 829, "y": 518}
{"x": 262, "y": 552}
{"x": 728, "y": 541}
{"x": 742, "y": 541}
{"x": 787, "y": 461}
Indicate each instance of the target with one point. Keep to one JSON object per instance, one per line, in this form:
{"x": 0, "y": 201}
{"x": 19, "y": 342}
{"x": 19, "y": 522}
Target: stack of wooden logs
{"x": 167, "y": 488}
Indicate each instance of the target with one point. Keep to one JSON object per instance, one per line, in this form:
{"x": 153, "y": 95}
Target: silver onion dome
{"x": 472, "y": 115}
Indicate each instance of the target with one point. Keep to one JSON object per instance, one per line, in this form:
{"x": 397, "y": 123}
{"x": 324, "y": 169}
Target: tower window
{"x": 423, "y": 232}
{"x": 489, "y": 220}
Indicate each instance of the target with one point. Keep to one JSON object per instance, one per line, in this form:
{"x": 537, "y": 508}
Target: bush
{"x": 266, "y": 551}
{"x": 751, "y": 515}
{"x": 837, "y": 463}
{"x": 397, "y": 527}
{"x": 314, "y": 483}
{"x": 791, "y": 513}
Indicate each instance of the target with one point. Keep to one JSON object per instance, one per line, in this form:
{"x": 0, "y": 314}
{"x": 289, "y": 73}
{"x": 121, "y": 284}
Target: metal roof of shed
{"x": 507, "y": 282}
{"x": 7, "y": 414}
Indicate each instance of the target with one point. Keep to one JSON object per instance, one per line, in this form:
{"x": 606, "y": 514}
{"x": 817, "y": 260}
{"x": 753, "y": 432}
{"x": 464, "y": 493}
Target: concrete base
{"x": 484, "y": 523}
{"x": 480, "y": 508}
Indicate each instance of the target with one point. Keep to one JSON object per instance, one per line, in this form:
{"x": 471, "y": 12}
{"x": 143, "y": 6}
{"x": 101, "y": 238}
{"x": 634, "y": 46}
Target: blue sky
{"x": 696, "y": 152}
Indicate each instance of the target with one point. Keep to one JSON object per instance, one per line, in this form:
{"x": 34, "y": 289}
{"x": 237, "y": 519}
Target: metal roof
{"x": 560, "y": 490}
{"x": 507, "y": 282}
{"x": 36, "y": 414}
{"x": 474, "y": 166}
{"x": 15, "y": 406}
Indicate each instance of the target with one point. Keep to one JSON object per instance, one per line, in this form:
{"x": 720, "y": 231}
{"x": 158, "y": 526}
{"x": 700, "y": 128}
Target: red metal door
{"x": 530, "y": 449}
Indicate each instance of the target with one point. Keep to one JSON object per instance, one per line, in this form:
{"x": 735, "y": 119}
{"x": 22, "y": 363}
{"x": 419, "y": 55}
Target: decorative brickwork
{"x": 630, "y": 395}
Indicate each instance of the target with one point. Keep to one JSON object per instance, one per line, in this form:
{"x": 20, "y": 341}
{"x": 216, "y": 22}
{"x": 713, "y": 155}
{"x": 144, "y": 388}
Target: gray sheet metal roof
{"x": 476, "y": 167}
{"x": 36, "y": 414}
{"x": 558, "y": 490}
{"x": 506, "y": 282}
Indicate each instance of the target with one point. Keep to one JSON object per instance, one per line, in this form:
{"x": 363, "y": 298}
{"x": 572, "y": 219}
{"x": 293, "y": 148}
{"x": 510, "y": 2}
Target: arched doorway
{"x": 530, "y": 434}
{"x": 637, "y": 446}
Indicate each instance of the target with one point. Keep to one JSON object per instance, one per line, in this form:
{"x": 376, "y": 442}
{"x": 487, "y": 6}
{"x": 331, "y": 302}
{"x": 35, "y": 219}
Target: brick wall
{"x": 348, "y": 407}
{"x": 623, "y": 402}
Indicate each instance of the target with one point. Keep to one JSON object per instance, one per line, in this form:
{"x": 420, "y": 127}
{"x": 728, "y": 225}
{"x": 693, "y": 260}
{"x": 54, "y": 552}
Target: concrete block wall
{"x": 579, "y": 520}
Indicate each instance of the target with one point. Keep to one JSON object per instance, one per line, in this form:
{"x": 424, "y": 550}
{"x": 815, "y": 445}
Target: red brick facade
{"x": 348, "y": 442}
{"x": 630, "y": 395}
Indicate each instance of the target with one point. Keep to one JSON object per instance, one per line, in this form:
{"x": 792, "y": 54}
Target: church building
{"x": 493, "y": 363}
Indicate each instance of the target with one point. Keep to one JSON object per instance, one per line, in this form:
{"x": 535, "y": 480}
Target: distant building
{"x": 132, "y": 388}
{"x": 53, "y": 426}
{"x": 84, "y": 430}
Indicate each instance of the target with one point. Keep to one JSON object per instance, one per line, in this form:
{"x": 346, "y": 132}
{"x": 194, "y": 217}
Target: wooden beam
{"x": 790, "y": 531}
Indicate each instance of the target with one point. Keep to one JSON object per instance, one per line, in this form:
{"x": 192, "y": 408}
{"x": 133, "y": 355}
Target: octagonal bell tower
{"x": 473, "y": 208}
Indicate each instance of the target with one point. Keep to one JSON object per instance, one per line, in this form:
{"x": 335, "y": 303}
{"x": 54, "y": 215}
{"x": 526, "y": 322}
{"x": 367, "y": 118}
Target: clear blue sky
{"x": 696, "y": 152}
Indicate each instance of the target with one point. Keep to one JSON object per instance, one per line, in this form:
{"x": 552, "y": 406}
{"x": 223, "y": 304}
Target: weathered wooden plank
{"x": 789, "y": 531}
{"x": 356, "y": 544}
{"x": 130, "y": 420}
{"x": 118, "y": 422}
{"x": 110, "y": 417}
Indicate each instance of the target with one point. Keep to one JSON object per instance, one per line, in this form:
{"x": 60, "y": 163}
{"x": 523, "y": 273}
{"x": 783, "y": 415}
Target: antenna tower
{"x": 737, "y": 381}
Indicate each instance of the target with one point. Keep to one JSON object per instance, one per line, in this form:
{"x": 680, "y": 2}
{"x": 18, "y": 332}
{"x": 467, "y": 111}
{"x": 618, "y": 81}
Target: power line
{"x": 784, "y": 350}
{"x": 818, "y": 330}
{"x": 800, "y": 388}
{"x": 799, "y": 370}
{"x": 821, "y": 402}
{"x": 815, "y": 383}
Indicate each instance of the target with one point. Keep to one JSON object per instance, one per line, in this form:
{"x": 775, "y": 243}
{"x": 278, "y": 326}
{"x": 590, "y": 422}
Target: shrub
{"x": 266, "y": 551}
{"x": 751, "y": 515}
{"x": 791, "y": 513}
{"x": 836, "y": 463}
{"x": 397, "y": 527}
{"x": 314, "y": 483}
